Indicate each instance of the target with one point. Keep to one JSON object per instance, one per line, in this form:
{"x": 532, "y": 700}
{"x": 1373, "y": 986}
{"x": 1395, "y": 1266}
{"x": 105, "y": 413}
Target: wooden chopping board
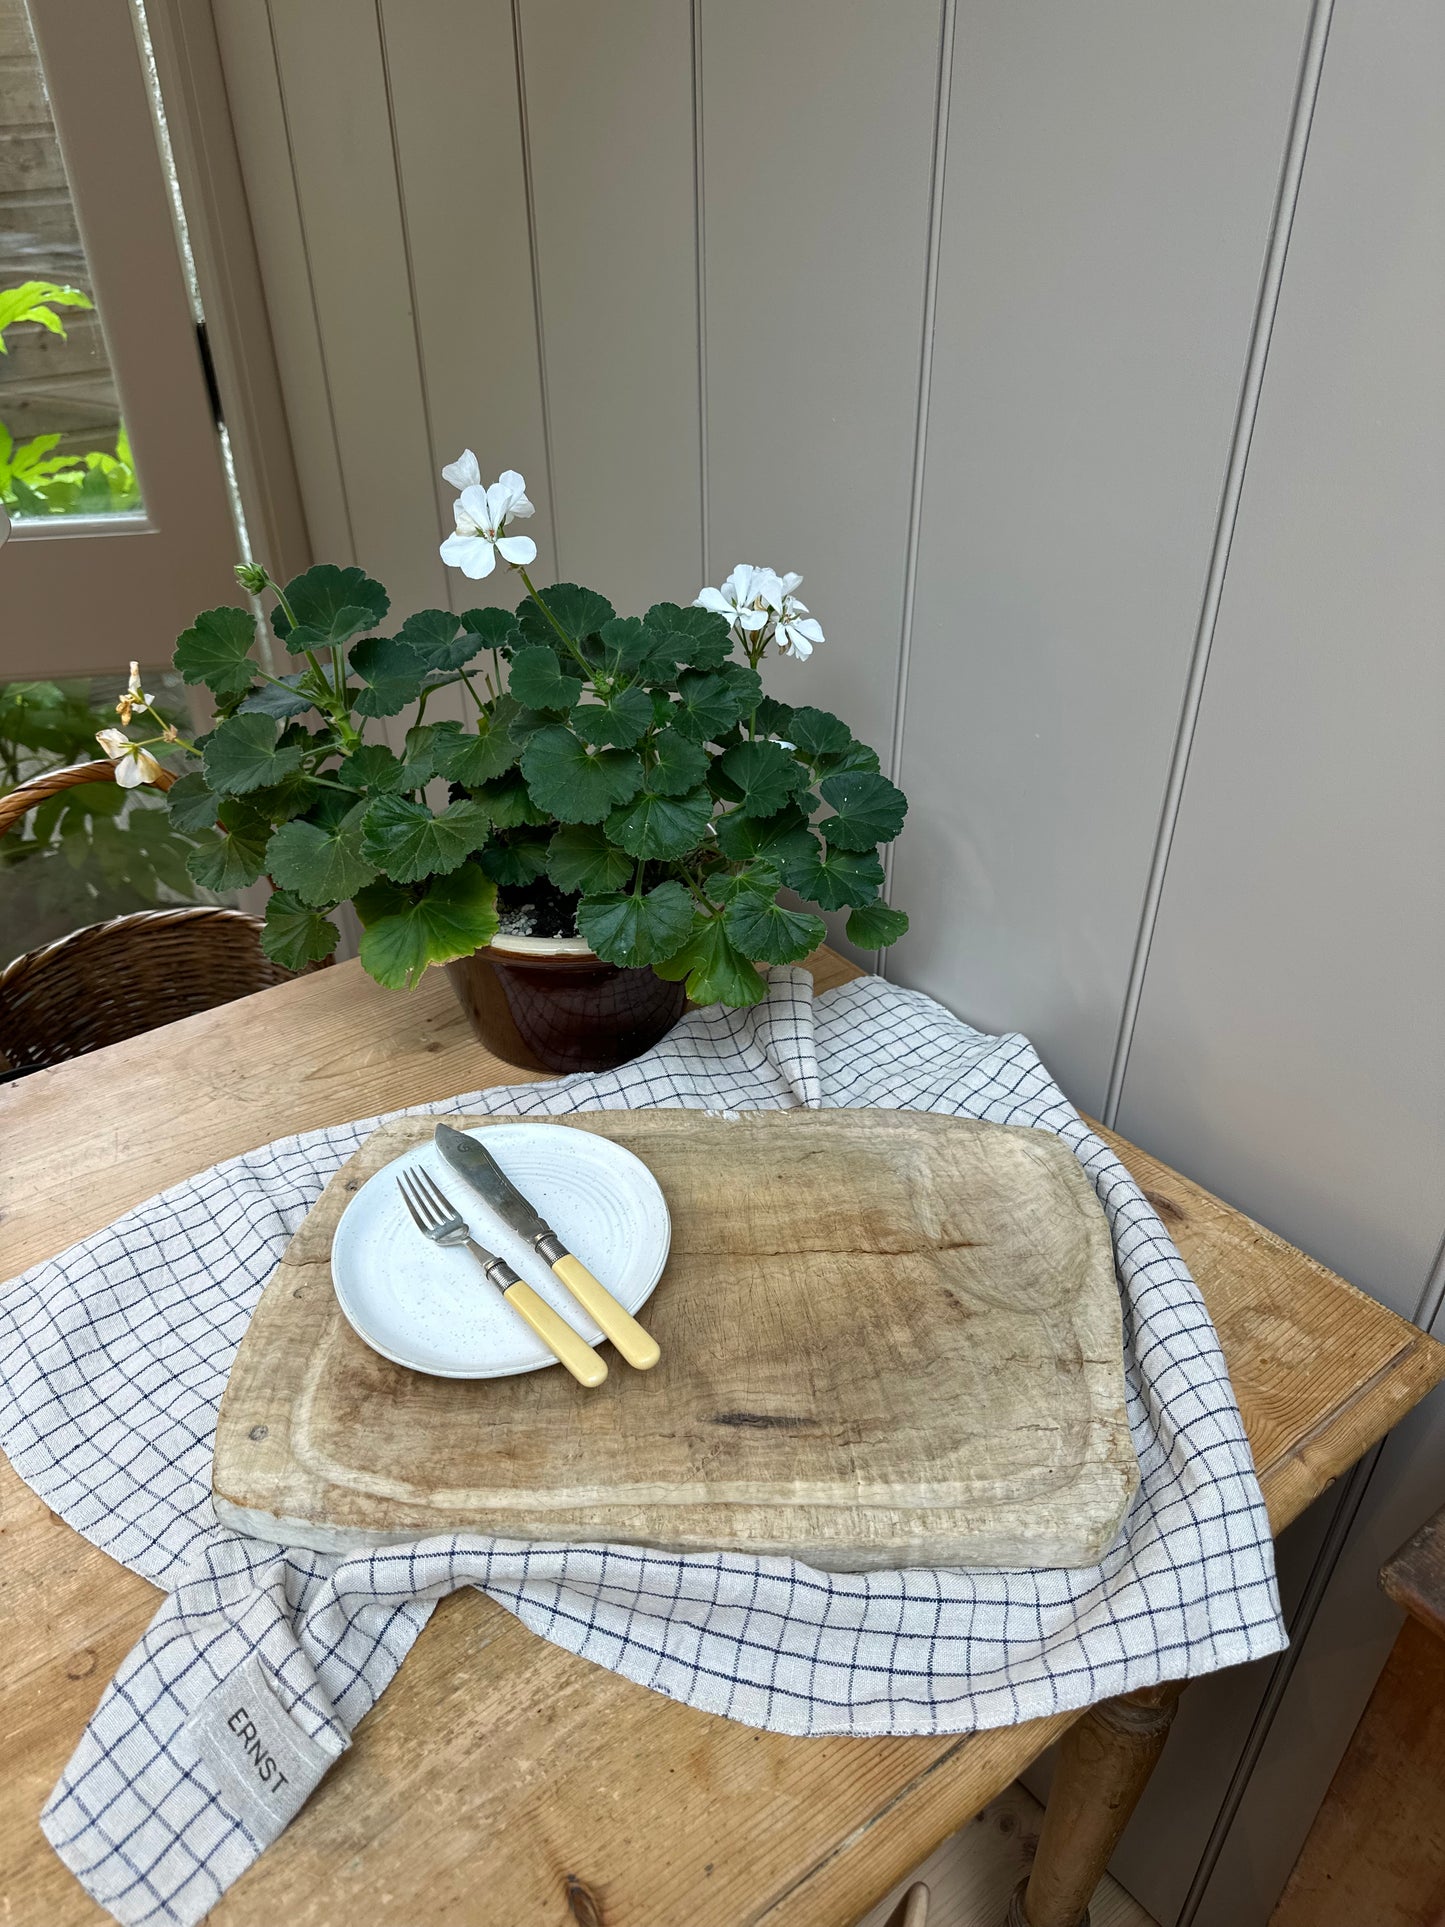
{"x": 888, "y": 1339}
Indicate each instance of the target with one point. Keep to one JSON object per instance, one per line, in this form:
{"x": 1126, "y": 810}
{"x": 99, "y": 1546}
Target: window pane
{"x": 63, "y": 448}
{"x": 94, "y": 851}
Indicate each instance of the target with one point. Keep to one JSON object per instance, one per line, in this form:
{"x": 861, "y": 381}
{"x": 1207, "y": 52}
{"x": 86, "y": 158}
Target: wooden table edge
{"x": 972, "y": 1768}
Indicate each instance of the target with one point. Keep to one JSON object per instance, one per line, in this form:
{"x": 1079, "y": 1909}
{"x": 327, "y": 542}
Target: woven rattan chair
{"x": 131, "y": 974}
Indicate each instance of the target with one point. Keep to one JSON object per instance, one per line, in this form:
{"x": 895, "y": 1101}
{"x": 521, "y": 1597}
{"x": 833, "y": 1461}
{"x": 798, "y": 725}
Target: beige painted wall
{"x": 963, "y": 310}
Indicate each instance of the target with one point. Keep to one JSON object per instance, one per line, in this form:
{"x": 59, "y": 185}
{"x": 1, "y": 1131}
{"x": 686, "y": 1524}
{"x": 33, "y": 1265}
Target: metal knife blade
{"x": 481, "y": 1170}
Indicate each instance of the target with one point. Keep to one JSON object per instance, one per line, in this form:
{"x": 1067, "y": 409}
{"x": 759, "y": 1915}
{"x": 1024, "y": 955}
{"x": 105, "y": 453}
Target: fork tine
{"x": 407, "y": 1201}
{"x": 435, "y": 1196}
{"x": 417, "y": 1202}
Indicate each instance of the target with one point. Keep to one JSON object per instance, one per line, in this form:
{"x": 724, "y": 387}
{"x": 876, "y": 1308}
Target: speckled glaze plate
{"x": 432, "y": 1309}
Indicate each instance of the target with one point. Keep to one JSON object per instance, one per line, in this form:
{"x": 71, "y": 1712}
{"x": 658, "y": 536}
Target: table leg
{"x": 1105, "y": 1760}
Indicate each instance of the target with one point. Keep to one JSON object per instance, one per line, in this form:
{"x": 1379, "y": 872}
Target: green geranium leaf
{"x": 873, "y": 926}
{"x": 710, "y": 702}
{"x": 767, "y": 776}
{"x": 679, "y": 765}
{"x": 242, "y": 754}
{"x": 320, "y": 865}
{"x": 575, "y": 783}
{"x": 330, "y": 605}
{"x": 817, "y": 733}
{"x": 762, "y": 929}
{"x": 508, "y": 802}
{"x": 493, "y": 628}
{"x": 278, "y": 699}
{"x": 295, "y": 934}
{"x": 517, "y": 861}
{"x": 439, "y": 639}
{"x": 661, "y": 826}
{"x": 581, "y": 613}
{"x": 620, "y": 719}
{"x": 761, "y": 878}
{"x": 537, "y": 680}
{"x": 429, "y": 750}
{"x": 783, "y": 838}
{"x": 373, "y": 767}
{"x": 216, "y": 651}
{"x": 192, "y": 803}
{"x": 774, "y": 718}
{"x": 870, "y": 810}
{"x": 716, "y": 971}
{"x": 235, "y": 857}
{"x": 580, "y": 858}
{"x": 633, "y": 931}
{"x": 696, "y": 637}
{"x": 857, "y": 756}
{"x": 292, "y": 796}
{"x": 407, "y": 930}
{"x": 627, "y": 643}
{"x": 475, "y": 760}
{"x": 390, "y": 673}
{"x": 407, "y": 842}
{"x": 834, "y": 879}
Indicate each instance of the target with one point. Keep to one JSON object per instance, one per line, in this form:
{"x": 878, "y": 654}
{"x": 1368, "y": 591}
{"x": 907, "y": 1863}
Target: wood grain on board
{"x": 498, "y": 1764}
{"x": 888, "y": 1339}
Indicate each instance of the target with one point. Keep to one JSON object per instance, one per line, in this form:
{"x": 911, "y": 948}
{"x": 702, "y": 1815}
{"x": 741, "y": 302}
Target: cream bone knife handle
{"x": 570, "y": 1348}
{"x": 636, "y": 1345}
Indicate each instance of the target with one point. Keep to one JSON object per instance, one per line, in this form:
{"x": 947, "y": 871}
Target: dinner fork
{"x": 437, "y": 1218}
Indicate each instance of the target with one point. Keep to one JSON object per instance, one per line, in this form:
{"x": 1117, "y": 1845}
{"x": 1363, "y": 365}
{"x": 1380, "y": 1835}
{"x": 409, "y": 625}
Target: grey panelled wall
{"x": 1111, "y": 173}
{"x": 961, "y": 308}
{"x": 816, "y": 231}
{"x": 1290, "y": 1043}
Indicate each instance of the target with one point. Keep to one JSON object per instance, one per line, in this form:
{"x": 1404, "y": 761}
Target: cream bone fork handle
{"x": 436, "y": 1218}
{"x": 476, "y": 1164}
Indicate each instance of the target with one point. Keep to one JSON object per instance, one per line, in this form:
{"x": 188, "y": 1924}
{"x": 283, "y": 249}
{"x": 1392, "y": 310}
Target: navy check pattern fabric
{"x": 114, "y": 1355}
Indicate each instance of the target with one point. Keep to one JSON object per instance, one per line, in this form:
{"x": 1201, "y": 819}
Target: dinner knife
{"x": 486, "y": 1177}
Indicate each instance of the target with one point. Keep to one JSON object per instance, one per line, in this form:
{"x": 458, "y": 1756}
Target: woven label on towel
{"x": 266, "y": 1768}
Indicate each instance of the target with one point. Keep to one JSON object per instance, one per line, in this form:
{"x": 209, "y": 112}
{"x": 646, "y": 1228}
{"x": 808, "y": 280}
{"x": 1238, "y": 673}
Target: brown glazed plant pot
{"x": 551, "y": 1004}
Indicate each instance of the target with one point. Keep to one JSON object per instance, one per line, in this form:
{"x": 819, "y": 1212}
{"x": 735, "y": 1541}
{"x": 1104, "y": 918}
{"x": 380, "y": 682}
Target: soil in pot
{"x": 538, "y": 998}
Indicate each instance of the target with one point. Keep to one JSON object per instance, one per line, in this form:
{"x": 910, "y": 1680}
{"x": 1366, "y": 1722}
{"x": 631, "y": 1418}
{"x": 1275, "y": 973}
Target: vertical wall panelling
{"x": 943, "y": 102}
{"x": 1111, "y": 174}
{"x": 609, "y": 118}
{"x": 1292, "y": 1022}
{"x": 1224, "y": 531}
{"x": 818, "y": 157}
{"x": 452, "y": 77}
{"x": 338, "y": 117}
{"x": 248, "y": 57}
{"x": 1292, "y": 1026}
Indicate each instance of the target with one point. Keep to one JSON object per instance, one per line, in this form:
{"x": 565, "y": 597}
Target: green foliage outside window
{"x": 34, "y": 480}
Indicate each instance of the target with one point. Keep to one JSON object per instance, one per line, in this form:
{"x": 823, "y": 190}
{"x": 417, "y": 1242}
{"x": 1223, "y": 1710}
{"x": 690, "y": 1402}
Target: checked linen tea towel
{"x": 114, "y": 1355}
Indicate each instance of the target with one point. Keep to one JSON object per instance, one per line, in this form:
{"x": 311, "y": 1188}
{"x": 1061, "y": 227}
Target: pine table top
{"x": 501, "y": 1778}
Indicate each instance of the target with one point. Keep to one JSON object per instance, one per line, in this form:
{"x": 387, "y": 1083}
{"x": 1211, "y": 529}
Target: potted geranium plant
{"x": 620, "y": 818}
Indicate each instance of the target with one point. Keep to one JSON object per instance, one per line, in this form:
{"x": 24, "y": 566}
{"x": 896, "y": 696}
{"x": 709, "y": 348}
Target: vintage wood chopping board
{"x": 888, "y": 1339}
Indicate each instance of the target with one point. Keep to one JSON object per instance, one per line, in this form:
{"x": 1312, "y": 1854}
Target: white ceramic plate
{"x": 433, "y": 1310}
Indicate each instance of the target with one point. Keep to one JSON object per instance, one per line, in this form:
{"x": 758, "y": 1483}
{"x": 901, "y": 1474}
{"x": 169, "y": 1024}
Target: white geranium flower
{"x": 794, "y": 630}
{"x": 741, "y": 598}
{"x": 797, "y": 631}
{"x": 464, "y": 472}
{"x": 482, "y": 515}
{"x": 133, "y": 765}
{"x": 134, "y": 697}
